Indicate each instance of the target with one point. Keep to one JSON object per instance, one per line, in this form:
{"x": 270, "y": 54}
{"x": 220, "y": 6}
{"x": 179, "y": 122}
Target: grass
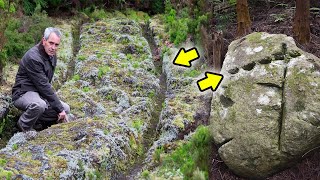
{"x": 192, "y": 158}
{"x": 191, "y": 73}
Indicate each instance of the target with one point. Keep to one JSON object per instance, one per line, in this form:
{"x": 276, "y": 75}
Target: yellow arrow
{"x": 184, "y": 58}
{"x": 211, "y": 81}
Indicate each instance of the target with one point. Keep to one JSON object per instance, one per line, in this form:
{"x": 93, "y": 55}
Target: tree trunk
{"x": 217, "y": 49}
{"x": 301, "y": 24}
{"x": 243, "y": 18}
{"x": 213, "y": 45}
{"x": 207, "y": 45}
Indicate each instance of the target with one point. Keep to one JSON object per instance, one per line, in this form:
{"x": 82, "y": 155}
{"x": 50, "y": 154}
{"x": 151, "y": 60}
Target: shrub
{"x": 157, "y": 6}
{"x": 24, "y": 33}
{"x": 1, "y": 4}
{"x": 192, "y": 156}
{"x": 30, "y": 6}
{"x": 98, "y": 14}
{"x": 180, "y": 24}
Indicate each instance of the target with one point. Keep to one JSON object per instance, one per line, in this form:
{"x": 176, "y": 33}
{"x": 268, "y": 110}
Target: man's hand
{"x": 62, "y": 117}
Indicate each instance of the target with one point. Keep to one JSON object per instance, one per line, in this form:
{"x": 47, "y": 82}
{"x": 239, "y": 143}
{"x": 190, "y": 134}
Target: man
{"x": 32, "y": 91}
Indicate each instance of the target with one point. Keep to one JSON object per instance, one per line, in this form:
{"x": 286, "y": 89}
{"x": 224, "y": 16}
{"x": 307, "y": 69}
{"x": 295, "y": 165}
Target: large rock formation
{"x": 110, "y": 95}
{"x": 266, "y": 113}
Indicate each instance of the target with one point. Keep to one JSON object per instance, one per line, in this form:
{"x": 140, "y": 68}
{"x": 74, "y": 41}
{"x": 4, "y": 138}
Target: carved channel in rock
{"x": 151, "y": 133}
{"x": 224, "y": 142}
{"x": 226, "y": 101}
{"x": 269, "y": 85}
{"x": 234, "y": 70}
{"x": 76, "y": 48}
{"x": 266, "y": 60}
{"x": 283, "y": 103}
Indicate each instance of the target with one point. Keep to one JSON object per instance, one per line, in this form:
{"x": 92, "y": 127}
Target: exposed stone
{"x": 110, "y": 122}
{"x": 4, "y": 105}
{"x": 264, "y": 116}
{"x": 65, "y": 53}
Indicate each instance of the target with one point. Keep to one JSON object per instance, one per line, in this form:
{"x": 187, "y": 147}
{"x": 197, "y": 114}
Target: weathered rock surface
{"x": 184, "y": 108}
{"x": 9, "y": 73}
{"x": 65, "y": 54}
{"x": 110, "y": 95}
{"x": 4, "y": 105}
{"x": 266, "y": 113}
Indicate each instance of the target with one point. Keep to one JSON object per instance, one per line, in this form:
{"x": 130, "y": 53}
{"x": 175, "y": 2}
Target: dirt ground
{"x": 277, "y": 18}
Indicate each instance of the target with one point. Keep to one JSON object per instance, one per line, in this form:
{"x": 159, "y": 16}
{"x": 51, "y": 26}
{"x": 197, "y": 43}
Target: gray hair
{"x": 50, "y": 30}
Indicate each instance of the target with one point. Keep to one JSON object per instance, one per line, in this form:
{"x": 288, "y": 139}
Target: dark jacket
{"x": 35, "y": 74}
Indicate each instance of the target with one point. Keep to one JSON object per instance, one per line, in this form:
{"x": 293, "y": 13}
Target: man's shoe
{"x": 38, "y": 127}
{"x": 23, "y": 129}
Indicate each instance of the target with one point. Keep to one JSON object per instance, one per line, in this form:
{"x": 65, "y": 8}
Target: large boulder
{"x": 266, "y": 115}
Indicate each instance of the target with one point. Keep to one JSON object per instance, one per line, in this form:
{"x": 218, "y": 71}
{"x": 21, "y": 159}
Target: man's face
{"x": 51, "y": 45}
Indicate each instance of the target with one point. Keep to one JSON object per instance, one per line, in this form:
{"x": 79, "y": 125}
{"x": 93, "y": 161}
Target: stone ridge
{"x": 110, "y": 96}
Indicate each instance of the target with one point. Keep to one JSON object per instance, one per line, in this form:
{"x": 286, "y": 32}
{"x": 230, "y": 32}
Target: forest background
{"x": 204, "y": 21}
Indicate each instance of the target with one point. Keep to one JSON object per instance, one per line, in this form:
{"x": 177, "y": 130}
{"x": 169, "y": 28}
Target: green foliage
{"x": 193, "y": 155}
{"x": 232, "y": 2}
{"x": 136, "y": 65}
{"x": 81, "y": 57}
{"x": 17, "y": 43}
{"x": 86, "y": 89}
{"x": 12, "y": 8}
{"x": 137, "y": 15}
{"x": 30, "y": 6}
{"x": 102, "y": 71}
{"x": 180, "y": 24}
{"x": 3, "y": 162}
{"x": 151, "y": 94}
{"x": 2, "y": 124}
{"x": 24, "y": 33}
{"x": 137, "y": 124}
{"x": 14, "y": 147}
{"x": 157, "y": 154}
{"x": 178, "y": 27}
{"x": 225, "y": 18}
{"x": 157, "y": 6}
{"x": 4, "y": 174}
{"x": 76, "y": 77}
{"x": 94, "y": 175}
{"x": 129, "y": 57}
{"x": 98, "y": 14}
{"x": 191, "y": 73}
{"x": 1, "y": 4}
{"x": 145, "y": 174}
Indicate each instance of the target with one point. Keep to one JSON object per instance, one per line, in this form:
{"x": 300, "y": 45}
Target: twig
{"x": 310, "y": 151}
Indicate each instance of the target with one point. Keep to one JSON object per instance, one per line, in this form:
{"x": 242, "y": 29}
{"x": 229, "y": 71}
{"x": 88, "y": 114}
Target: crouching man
{"x": 33, "y": 92}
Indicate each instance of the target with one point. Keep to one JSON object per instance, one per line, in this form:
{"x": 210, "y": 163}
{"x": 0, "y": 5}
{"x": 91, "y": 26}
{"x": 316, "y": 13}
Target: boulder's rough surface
{"x": 266, "y": 113}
